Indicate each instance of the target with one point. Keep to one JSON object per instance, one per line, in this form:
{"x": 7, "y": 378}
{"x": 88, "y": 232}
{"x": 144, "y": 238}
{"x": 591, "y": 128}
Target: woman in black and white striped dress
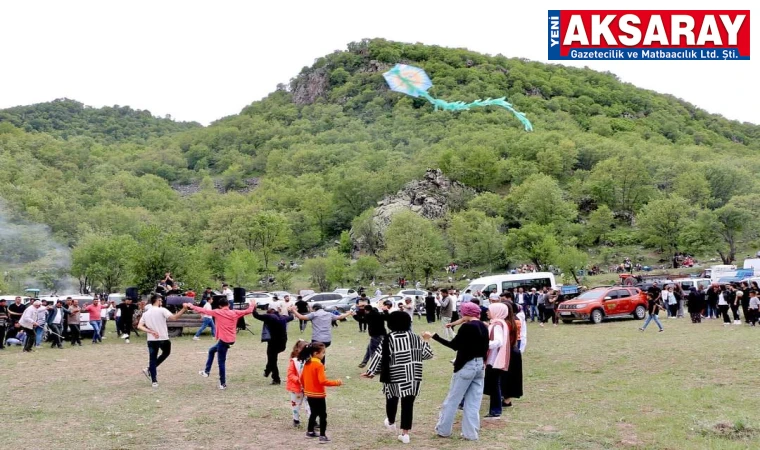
{"x": 399, "y": 362}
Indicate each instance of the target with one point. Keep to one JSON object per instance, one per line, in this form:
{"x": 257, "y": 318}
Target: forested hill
{"x": 608, "y": 165}
{"x": 66, "y": 118}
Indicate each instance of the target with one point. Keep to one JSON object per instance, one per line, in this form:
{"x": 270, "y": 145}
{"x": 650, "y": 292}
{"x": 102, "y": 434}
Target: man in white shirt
{"x": 230, "y": 296}
{"x": 378, "y": 292}
{"x": 284, "y": 306}
{"x": 55, "y": 324}
{"x": 208, "y": 321}
{"x": 153, "y": 322}
{"x": 28, "y": 322}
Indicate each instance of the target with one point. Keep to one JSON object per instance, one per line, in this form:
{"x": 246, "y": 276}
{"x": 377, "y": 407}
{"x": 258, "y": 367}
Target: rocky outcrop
{"x": 309, "y": 87}
{"x": 431, "y": 197}
{"x": 195, "y": 187}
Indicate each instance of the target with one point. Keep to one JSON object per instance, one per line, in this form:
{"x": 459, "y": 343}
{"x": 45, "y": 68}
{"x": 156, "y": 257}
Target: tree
{"x": 414, "y": 244}
{"x": 662, "y": 223}
{"x": 269, "y": 231}
{"x": 540, "y": 199}
{"x": 622, "y": 183}
{"x": 367, "y": 267}
{"x": 338, "y": 267}
{"x": 241, "y": 268}
{"x": 317, "y": 270}
{"x": 365, "y": 232}
{"x": 532, "y": 242}
{"x": 720, "y": 231}
{"x": 571, "y": 260}
{"x": 155, "y": 253}
{"x": 599, "y": 224}
{"x": 101, "y": 260}
{"x": 475, "y": 237}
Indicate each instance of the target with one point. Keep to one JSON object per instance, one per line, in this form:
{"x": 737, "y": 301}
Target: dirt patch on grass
{"x": 628, "y": 437}
{"x": 738, "y": 431}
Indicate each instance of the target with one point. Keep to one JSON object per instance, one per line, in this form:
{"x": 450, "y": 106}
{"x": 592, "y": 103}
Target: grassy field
{"x": 586, "y": 387}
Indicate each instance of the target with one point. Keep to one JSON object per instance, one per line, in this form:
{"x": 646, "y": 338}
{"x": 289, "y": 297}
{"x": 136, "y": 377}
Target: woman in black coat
{"x": 696, "y": 304}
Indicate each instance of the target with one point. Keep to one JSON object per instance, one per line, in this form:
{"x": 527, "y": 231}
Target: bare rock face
{"x": 195, "y": 187}
{"x": 431, "y": 197}
{"x": 307, "y": 89}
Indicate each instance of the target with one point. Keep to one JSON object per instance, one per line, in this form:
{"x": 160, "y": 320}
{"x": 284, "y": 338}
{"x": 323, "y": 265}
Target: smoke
{"x": 31, "y": 258}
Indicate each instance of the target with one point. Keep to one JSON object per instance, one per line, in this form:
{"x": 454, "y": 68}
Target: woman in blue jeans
{"x": 471, "y": 345}
{"x": 654, "y": 309}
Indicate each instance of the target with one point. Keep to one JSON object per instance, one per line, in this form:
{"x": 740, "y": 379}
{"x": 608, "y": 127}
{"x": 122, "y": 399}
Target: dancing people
{"x": 226, "y": 328}
{"x": 399, "y": 362}
{"x": 275, "y": 335}
{"x": 153, "y": 322}
{"x": 314, "y": 382}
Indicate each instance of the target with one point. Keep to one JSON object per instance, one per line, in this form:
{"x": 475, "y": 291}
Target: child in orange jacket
{"x": 294, "y": 385}
{"x": 314, "y": 381}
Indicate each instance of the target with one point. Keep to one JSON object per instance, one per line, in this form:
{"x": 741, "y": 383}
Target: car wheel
{"x": 640, "y": 312}
{"x": 175, "y": 332}
{"x": 596, "y": 316}
{"x": 567, "y": 321}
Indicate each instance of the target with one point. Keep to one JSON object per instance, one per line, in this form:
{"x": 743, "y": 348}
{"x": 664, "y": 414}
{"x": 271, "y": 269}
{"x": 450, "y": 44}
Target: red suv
{"x": 604, "y": 303}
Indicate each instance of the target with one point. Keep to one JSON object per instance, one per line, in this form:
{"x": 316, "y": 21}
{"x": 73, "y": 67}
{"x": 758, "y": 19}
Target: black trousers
{"x": 430, "y": 314}
{"x": 745, "y": 311}
{"x": 724, "y": 312}
{"x": 753, "y": 315}
{"x": 362, "y": 324}
{"x": 3, "y": 330}
{"x": 696, "y": 317}
{"x": 56, "y": 333}
{"x": 154, "y": 359}
{"x": 302, "y": 325}
{"x": 735, "y": 311}
{"x": 673, "y": 309}
{"x": 549, "y": 314}
{"x": 318, "y": 408}
{"x": 273, "y": 350}
{"x": 75, "y": 334}
{"x": 126, "y": 327}
{"x": 407, "y": 410}
{"x": 30, "y": 337}
{"x": 541, "y": 313}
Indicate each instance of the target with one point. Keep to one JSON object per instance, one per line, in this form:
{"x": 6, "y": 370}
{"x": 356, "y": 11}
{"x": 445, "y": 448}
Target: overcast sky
{"x": 203, "y": 61}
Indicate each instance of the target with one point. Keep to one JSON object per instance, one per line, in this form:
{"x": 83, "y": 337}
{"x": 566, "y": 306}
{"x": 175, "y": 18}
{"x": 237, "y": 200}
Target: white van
{"x": 502, "y": 283}
{"x": 754, "y": 264}
{"x": 719, "y": 271}
{"x": 687, "y": 283}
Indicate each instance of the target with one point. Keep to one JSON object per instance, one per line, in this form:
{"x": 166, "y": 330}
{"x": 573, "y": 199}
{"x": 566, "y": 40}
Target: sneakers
{"x": 203, "y": 373}
{"x": 311, "y": 434}
{"x": 389, "y": 426}
{"x": 222, "y": 387}
{"x": 661, "y": 330}
{"x": 492, "y": 417}
{"x": 362, "y": 365}
{"x": 737, "y": 322}
{"x": 196, "y": 338}
{"x": 125, "y": 336}
{"x": 155, "y": 385}
{"x": 324, "y": 439}
{"x": 267, "y": 372}
{"x": 127, "y": 341}
{"x": 404, "y": 438}
{"x": 146, "y": 372}
{"x": 275, "y": 383}
{"x": 296, "y": 423}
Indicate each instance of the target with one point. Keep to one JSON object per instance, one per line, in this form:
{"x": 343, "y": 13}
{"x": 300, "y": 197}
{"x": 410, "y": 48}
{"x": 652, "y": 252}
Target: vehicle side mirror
{"x": 608, "y": 298}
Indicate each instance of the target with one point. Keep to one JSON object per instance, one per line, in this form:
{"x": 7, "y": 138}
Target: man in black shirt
{"x": 127, "y": 309}
{"x": 375, "y": 328}
{"x": 207, "y": 294}
{"x": 15, "y": 311}
{"x": 3, "y": 322}
{"x": 655, "y": 291}
{"x": 430, "y": 307}
{"x": 303, "y": 308}
{"x": 276, "y": 338}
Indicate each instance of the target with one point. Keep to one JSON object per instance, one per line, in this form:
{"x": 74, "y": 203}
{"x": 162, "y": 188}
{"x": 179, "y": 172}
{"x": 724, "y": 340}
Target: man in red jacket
{"x": 226, "y": 328}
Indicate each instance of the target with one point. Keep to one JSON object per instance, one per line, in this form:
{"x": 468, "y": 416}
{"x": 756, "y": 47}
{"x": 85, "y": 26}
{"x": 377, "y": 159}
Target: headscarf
{"x": 470, "y": 309}
{"x": 499, "y": 312}
{"x": 398, "y": 322}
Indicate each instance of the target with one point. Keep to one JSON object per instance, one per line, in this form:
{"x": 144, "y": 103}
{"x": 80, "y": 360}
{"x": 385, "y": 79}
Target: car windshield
{"x": 590, "y": 295}
{"x": 476, "y": 287}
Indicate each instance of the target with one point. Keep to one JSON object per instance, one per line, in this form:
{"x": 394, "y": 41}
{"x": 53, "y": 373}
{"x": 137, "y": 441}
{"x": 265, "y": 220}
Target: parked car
{"x": 688, "y": 283}
{"x": 350, "y": 293}
{"x": 599, "y": 304}
{"x": 262, "y": 299}
{"x": 343, "y": 305}
{"x": 326, "y": 299}
{"x": 281, "y": 294}
{"x": 377, "y": 302}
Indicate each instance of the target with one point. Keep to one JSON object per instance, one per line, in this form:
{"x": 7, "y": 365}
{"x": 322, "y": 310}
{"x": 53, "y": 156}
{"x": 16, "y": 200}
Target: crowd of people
{"x": 713, "y": 301}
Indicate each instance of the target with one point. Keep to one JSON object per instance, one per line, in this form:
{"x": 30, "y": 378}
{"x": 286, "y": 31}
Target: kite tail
{"x": 459, "y": 106}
